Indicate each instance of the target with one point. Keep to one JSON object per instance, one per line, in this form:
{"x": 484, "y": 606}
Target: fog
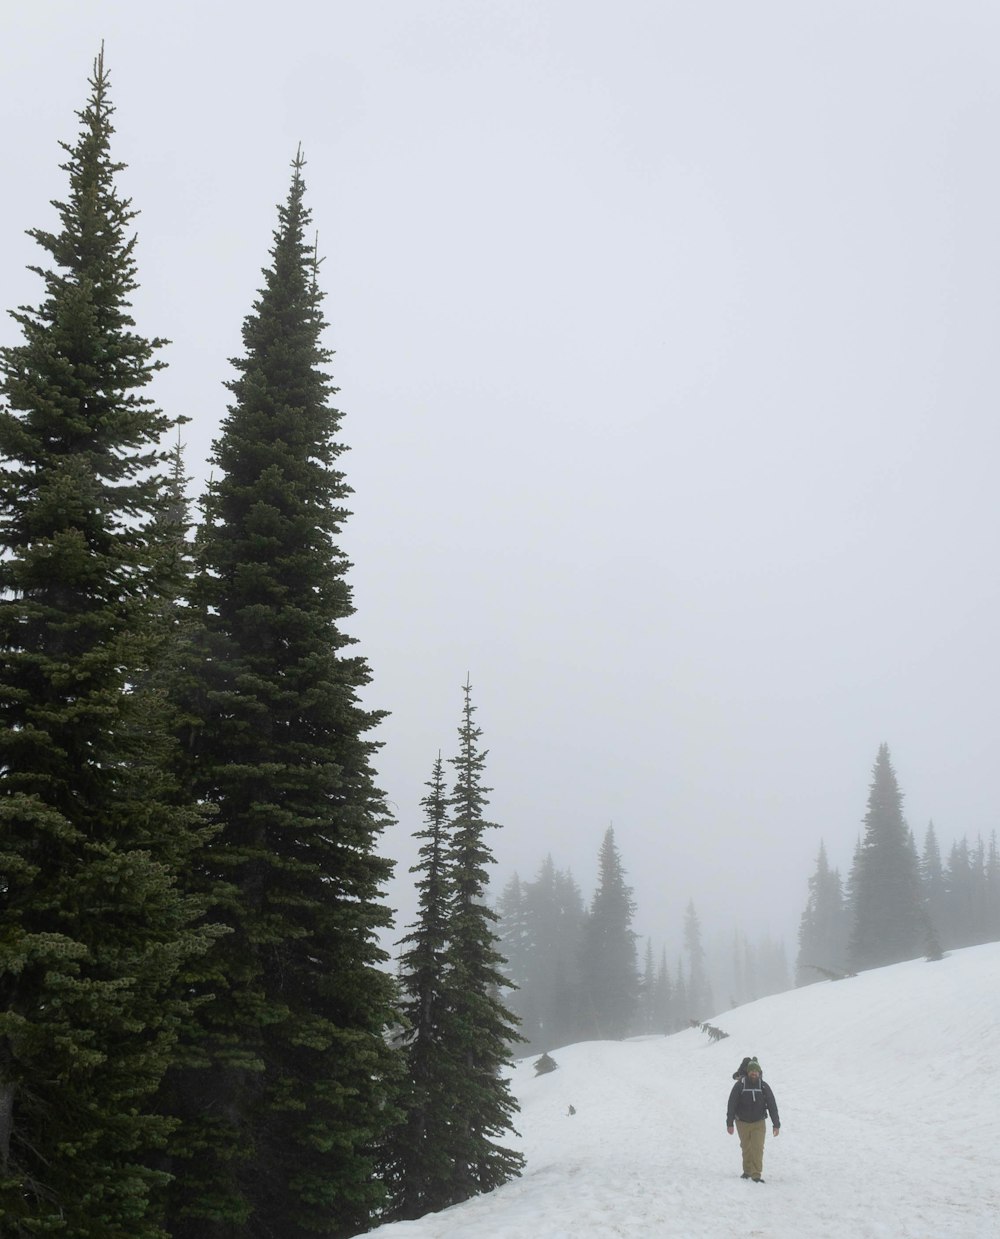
{"x": 666, "y": 337}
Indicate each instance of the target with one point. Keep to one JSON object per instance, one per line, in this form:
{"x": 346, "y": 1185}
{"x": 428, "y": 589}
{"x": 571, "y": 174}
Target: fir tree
{"x": 480, "y": 1029}
{"x": 935, "y": 891}
{"x": 93, "y": 926}
{"x": 420, "y": 1169}
{"x": 664, "y": 1011}
{"x": 980, "y": 899}
{"x": 610, "y": 982}
{"x": 561, "y": 978}
{"x": 283, "y": 1125}
{"x": 519, "y": 949}
{"x": 540, "y": 930}
{"x": 646, "y": 1022}
{"x": 823, "y": 929}
{"x": 680, "y": 999}
{"x": 960, "y": 900}
{"x": 699, "y": 989}
{"x": 993, "y": 890}
{"x": 887, "y": 926}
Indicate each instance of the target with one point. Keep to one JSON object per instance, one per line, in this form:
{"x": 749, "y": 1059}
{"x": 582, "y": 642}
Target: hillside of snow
{"x": 888, "y": 1086}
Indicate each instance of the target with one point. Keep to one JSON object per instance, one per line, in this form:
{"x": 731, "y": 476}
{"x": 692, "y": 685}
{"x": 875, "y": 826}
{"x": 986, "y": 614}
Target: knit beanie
{"x": 753, "y": 1065}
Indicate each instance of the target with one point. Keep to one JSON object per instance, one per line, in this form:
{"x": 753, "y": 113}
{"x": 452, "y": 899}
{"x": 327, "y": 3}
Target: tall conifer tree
{"x": 282, "y": 1132}
{"x": 823, "y": 929}
{"x": 699, "y": 990}
{"x": 933, "y": 883}
{"x": 555, "y": 916}
{"x": 420, "y": 1169}
{"x": 480, "y": 1028}
{"x": 610, "y": 982}
{"x": 93, "y": 927}
{"x": 887, "y": 925}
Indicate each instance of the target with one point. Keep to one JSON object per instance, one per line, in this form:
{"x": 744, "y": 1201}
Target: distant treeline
{"x": 896, "y": 904}
{"x": 576, "y": 968}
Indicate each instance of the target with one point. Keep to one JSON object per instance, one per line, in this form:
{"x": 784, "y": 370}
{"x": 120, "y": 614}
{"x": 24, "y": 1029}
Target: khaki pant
{"x": 752, "y": 1145}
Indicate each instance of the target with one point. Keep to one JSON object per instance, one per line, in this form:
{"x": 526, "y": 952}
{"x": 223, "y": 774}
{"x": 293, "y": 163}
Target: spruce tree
{"x": 646, "y": 1022}
{"x": 664, "y": 997}
{"x": 993, "y": 890}
{"x": 563, "y": 977}
{"x": 699, "y": 990}
{"x": 93, "y": 926}
{"x": 420, "y": 1169}
{"x": 681, "y": 1019}
{"x": 823, "y": 929}
{"x": 888, "y": 926}
{"x": 610, "y": 982}
{"x": 935, "y": 891}
{"x": 959, "y": 904}
{"x": 519, "y": 949}
{"x": 284, "y": 1098}
{"x": 543, "y": 955}
{"x": 480, "y": 1029}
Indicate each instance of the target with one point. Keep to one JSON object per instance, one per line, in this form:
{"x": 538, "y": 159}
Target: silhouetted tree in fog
{"x": 610, "y": 983}
{"x": 887, "y": 925}
{"x": 823, "y": 929}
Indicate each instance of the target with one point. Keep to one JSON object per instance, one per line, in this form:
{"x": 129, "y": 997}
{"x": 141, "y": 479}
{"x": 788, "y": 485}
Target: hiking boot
{"x": 744, "y": 1175}
{"x": 757, "y": 1179}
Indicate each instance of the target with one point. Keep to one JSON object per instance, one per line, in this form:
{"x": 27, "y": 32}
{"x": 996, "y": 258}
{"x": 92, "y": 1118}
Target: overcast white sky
{"x": 666, "y": 336}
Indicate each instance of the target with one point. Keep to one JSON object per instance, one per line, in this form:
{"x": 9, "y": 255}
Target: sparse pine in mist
{"x": 480, "y": 1028}
{"x": 284, "y": 1095}
{"x": 646, "y": 1014}
{"x": 664, "y": 1015}
{"x": 887, "y": 922}
{"x": 517, "y": 945}
{"x": 757, "y": 969}
{"x": 971, "y": 904}
{"x": 701, "y": 1003}
{"x": 544, "y": 927}
{"x": 992, "y": 874}
{"x": 93, "y": 926}
{"x": 541, "y": 926}
{"x": 609, "y": 979}
{"x": 932, "y": 880}
{"x": 824, "y": 928}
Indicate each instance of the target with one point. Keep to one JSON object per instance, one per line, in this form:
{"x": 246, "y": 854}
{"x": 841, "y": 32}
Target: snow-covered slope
{"x": 888, "y": 1086}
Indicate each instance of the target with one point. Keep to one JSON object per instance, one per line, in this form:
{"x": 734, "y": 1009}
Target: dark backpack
{"x": 741, "y": 1070}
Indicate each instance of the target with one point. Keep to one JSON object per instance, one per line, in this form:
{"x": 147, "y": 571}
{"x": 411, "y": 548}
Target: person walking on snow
{"x": 750, "y": 1101}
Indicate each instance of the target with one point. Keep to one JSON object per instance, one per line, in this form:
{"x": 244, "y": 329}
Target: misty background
{"x": 666, "y": 339}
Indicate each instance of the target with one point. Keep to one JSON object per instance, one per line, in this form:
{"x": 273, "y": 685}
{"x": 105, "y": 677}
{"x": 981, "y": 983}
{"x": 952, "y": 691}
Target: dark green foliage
{"x": 823, "y": 929}
{"x": 456, "y": 1099}
{"x": 93, "y": 927}
{"x": 609, "y": 982}
{"x": 285, "y": 1091}
{"x": 420, "y": 1168}
{"x": 887, "y": 925}
{"x": 480, "y": 1028}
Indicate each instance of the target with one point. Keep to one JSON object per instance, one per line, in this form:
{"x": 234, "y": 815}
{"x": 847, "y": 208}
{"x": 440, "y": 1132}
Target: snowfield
{"x": 888, "y": 1086}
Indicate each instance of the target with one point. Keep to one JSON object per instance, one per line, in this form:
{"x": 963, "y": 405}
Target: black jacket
{"x": 751, "y": 1103}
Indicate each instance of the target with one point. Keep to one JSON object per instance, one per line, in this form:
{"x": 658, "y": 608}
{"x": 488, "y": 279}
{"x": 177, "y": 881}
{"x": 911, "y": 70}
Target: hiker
{"x": 750, "y": 1101}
